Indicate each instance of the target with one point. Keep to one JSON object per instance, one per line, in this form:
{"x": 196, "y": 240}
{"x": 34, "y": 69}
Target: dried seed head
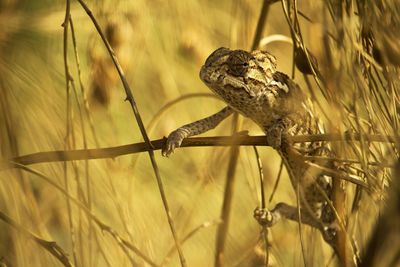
{"x": 301, "y": 61}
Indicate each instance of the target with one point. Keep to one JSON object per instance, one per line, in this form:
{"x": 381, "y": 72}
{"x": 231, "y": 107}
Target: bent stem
{"x": 130, "y": 98}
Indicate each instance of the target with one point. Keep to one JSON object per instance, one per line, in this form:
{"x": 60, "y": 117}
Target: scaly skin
{"x": 250, "y": 84}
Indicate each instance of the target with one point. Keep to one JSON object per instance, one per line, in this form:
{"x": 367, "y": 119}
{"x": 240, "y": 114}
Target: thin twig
{"x": 278, "y": 178}
{"x": 222, "y": 231}
{"x": 164, "y": 108}
{"x": 264, "y": 231}
{"x": 68, "y": 79}
{"x": 50, "y": 246}
{"x": 99, "y": 223}
{"x": 188, "y": 236}
{"x": 299, "y": 222}
{"x": 342, "y": 175}
{"x": 261, "y": 175}
{"x": 130, "y": 98}
{"x": 350, "y": 161}
{"x": 88, "y": 185}
{"x": 261, "y": 23}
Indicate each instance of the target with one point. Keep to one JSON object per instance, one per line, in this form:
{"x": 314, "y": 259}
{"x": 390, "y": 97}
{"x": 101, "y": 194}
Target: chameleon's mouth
{"x": 204, "y": 75}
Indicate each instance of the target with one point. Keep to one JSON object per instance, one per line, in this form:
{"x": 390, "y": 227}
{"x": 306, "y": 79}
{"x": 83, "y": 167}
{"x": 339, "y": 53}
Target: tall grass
{"x": 108, "y": 212}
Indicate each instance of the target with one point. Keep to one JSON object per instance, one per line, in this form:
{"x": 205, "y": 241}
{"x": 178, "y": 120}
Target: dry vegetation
{"x": 109, "y": 212}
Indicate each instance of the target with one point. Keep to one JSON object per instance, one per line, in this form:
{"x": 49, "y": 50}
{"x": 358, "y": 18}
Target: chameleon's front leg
{"x": 176, "y": 137}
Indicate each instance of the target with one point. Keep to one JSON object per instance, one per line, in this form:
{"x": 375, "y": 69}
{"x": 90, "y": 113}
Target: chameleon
{"x": 250, "y": 84}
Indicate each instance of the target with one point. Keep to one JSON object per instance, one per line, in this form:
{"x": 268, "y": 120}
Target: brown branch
{"x": 113, "y": 152}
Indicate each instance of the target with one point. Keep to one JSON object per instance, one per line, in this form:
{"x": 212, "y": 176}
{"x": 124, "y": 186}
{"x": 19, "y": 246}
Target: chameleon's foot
{"x": 283, "y": 210}
{"x": 174, "y": 141}
{"x": 264, "y": 217}
{"x": 329, "y": 234}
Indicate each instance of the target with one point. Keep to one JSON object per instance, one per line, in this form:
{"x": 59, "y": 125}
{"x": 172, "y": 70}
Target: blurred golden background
{"x": 161, "y": 46}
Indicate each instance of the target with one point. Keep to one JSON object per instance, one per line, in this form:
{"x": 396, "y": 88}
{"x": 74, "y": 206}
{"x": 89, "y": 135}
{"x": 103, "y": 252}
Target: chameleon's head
{"x": 249, "y": 83}
{"x": 236, "y": 71}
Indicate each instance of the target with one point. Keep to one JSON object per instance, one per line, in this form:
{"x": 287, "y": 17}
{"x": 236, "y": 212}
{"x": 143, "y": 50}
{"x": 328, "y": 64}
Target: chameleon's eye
{"x": 238, "y": 62}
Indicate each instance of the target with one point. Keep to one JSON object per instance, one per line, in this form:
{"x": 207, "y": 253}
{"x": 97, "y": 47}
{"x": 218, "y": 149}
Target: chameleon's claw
{"x": 167, "y": 151}
{"x": 169, "y": 147}
{"x": 174, "y": 141}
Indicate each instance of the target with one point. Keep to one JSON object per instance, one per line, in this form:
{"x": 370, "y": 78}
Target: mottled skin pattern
{"x": 250, "y": 84}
